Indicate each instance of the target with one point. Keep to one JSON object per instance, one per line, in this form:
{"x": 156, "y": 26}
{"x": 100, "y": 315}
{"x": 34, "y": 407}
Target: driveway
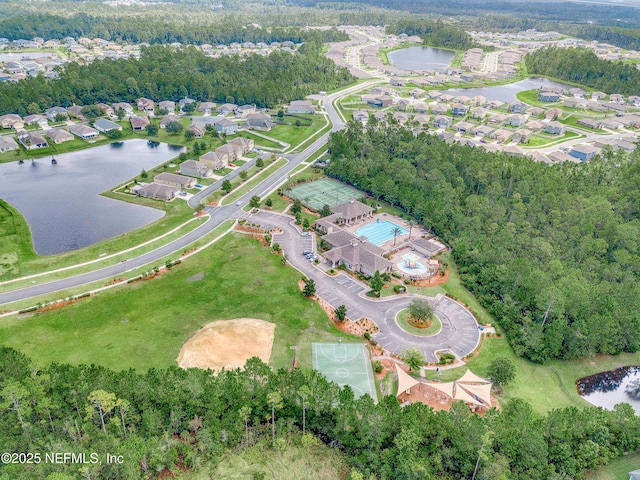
{"x": 459, "y": 332}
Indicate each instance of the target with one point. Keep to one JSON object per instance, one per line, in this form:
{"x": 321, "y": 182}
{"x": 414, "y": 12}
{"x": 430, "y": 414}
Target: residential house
{"x": 584, "y": 152}
{"x": 518, "y": 107}
{"x": 459, "y": 109}
{"x": 463, "y": 127}
{"x": 482, "y": 131}
{"x": 103, "y": 125}
{"x": 463, "y": 99}
{"x": 416, "y": 93}
{"x": 83, "y": 131}
{"x": 75, "y": 111}
{"x": 197, "y": 129}
{"x": 572, "y": 102}
{"x": 559, "y": 157}
{"x": 232, "y": 151}
{"x": 139, "y": 123}
{"x": 590, "y": 123}
{"x": 616, "y": 143}
{"x": 54, "y": 112}
{"x": 31, "y": 140}
{"x": 611, "y": 123}
{"x": 497, "y": 118}
{"x": 168, "y": 105}
{"x": 400, "y": 117}
{"x": 301, "y": 106}
{"x": 522, "y": 135}
{"x": 245, "y": 110}
{"x": 501, "y": 135}
{"x": 174, "y": 180}
{"x": 496, "y": 104}
{"x": 616, "y": 97}
{"x": 446, "y": 98}
{"x": 479, "y": 101}
{"x": 635, "y": 475}
{"x": 421, "y": 119}
{"x": 7, "y": 144}
{"x": 441, "y": 121}
{"x": 246, "y": 144}
{"x": 206, "y": 107}
{"x": 59, "y": 135}
{"x": 548, "y": 96}
{"x": 513, "y": 151}
{"x": 107, "y": 109}
{"x": 516, "y": 120}
{"x": 184, "y": 101}
{"x": 226, "y": 126}
{"x": 12, "y": 121}
{"x": 216, "y": 160}
{"x": 361, "y": 116}
{"x": 616, "y": 107}
{"x": 146, "y": 105}
{"x": 596, "y": 106}
{"x": 440, "y": 109}
{"x": 478, "y": 113}
{"x": 555, "y": 128}
{"x": 126, "y": 108}
{"x": 263, "y": 122}
{"x": 33, "y": 119}
{"x": 403, "y": 104}
{"x": 373, "y": 101}
{"x": 634, "y": 100}
{"x": 168, "y": 119}
{"x": 577, "y": 92}
{"x": 535, "y": 125}
{"x": 420, "y": 107}
{"x": 535, "y": 111}
{"x": 226, "y": 108}
{"x": 397, "y": 82}
{"x": 157, "y": 191}
{"x": 553, "y": 114}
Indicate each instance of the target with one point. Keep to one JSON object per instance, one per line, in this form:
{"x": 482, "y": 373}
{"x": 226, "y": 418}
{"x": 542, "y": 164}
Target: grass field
{"x": 421, "y": 332}
{"x": 293, "y": 134}
{"x": 618, "y": 469}
{"x": 162, "y": 313}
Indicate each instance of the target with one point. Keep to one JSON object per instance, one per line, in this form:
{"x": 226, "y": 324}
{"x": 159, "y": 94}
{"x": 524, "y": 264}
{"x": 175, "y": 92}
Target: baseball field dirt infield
{"x": 228, "y": 344}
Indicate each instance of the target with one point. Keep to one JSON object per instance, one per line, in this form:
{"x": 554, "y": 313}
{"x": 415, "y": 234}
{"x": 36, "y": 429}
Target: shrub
{"x": 407, "y": 281}
{"x": 399, "y": 288}
{"x": 446, "y": 358}
{"x": 378, "y": 367}
{"x": 396, "y": 275}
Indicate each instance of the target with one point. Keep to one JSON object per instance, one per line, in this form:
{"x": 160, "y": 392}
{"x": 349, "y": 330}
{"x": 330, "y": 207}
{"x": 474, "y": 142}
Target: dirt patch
{"x": 228, "y": 344}
{"x": 437, "y": 279}
{"x": 195, "y": 278}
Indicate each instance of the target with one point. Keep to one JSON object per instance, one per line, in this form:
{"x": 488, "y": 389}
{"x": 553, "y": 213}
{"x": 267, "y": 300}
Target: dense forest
{"x": 164, "y": 418}
{"x": 166, "y": 73}
{"x": 132, "y": 30}
{"x": 583, "y": 66}
{"x": 552, "y": 252}
{"x": 435, "y": 34}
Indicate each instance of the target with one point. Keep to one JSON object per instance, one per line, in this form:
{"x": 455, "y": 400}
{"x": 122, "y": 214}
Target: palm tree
{"x": 411, "y": 224}
{"x": 396, "y": 231}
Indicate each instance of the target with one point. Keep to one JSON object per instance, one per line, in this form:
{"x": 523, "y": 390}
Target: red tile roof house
{"x": 174, "y": 180}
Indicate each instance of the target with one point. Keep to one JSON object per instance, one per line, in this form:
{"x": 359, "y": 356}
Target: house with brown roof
{"x": 174, "y": 180}
{"x": 156, "y": 191}
{"x": 11, "y": 121}
{"x": 168, "y": 119}
{"x": 59, "y": 135}
{"x": 246, "y": 144}
{"x": 146, "y": 105}
{"x": 216, "y": 160}
{"x": 168, "y": 105}
{"x": 478, "y": 113}
{"x": 126, "y": 107}
{"x": 7, "y": 144}
{"x": 358, "y": 256}
{"x": 590, "y": 123}
{"x": 197, "y": 129}
{"x": 84, "y": 131}
{"x": 139, "y": 123}
{"x": 426, "y": 246}
{"x": 522, "y": 135}
{"x": 233, "y": 152}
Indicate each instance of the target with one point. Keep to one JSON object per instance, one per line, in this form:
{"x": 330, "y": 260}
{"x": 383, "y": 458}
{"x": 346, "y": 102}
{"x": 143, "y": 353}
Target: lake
{"x": 607, "y": 389}
{"x": 62, "y": 203}
{"x": 420, "y": 58}
{"x": 507, "y": 93}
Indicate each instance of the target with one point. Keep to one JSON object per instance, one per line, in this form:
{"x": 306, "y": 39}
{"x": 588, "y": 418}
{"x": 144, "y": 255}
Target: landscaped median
{"x": 256, "y": 178}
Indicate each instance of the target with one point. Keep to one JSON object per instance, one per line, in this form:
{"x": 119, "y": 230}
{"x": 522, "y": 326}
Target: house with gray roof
{"x": 103, "y": 125}
{"x": 226, "y": 108}
{"x": 226, "y": 126}
{"x": 426, "y": 246}
{"x": 175, "y": 180}
{"x": 206, "y": 107}
{"x": 156, "y": 191}
{"x": 168, "y": 119}
{"x": 356, "y": 254}
{"x": 7, "y": 144}
{"x": 584, "y": 152}
{"x": 126, "y": 107}
{"x": 193, "y": 168}
{"x": 301, "y": 106}
{"x": 31, "y": 140}
{"x": 168, "y": 105}
{"x": 53, "y": 112}
{"x": 555, "y": 128}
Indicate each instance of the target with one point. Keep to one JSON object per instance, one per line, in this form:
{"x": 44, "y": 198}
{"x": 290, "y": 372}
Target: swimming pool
{"x": 379, "y": 232}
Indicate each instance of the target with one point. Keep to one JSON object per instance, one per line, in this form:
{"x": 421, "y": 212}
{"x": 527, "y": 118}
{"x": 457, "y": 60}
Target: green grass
{"x": 294, "y": 135}
{"x": 260, "y": 176}
{"x": 541, "y": 139}
{"x": 164, "y": 312}
{"x": 572, "y": 120}
{"x": 618, "y": 469}
{"x": 531, "y": 97}
{"x": 402, "y": 319}
{"x": 259, "y": 141}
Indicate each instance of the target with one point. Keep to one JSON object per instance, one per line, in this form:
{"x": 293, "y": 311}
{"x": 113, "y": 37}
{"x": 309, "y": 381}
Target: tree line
{"x": 164, "y": 418}
{"x": 155, "y": 30}
{"x": 553, "y": 252}
{"x": 166, "y": 73}
{"x": 582, "y": 65}
{"x": 436, "y": 34}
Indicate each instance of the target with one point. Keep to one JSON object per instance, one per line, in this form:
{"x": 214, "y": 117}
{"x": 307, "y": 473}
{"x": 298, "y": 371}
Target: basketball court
{"x": 345, "y": 364}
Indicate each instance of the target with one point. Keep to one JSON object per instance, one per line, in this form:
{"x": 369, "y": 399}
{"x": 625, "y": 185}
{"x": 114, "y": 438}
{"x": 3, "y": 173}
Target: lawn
{"x": 421, "y": 332}
{"x": 531, "y": 97}
{"x": 162, "y": 313}
{"x": 542, "y": 139}
{"x": 618, "y": 469}
{"x": 294, "y": 135}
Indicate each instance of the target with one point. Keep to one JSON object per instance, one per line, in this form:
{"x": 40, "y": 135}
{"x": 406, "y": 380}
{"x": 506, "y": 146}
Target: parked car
{"x": 238, "y": 203}
{"x": 306, "y": 252}
{"x": 306, "y": 234}
{"x": 197, "y": 185}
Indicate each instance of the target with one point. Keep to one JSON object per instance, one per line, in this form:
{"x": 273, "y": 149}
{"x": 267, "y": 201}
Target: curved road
{"x": 217, "y": 216}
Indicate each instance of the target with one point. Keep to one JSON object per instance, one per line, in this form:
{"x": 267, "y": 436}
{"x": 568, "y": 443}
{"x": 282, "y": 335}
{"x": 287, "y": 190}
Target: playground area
{"x": 345, "y": 364}
{"x": 319, "y": 193}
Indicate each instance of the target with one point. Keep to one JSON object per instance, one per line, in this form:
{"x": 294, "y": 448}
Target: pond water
{"x": 420, "y": 58}
{"x": 61, "y": 203}
{"x": 607, "y": 389}
{"x": 507, "y": 93}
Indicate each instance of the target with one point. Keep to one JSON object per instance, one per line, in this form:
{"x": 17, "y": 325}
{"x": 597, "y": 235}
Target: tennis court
{"x": 325, "y": 191}
{"x": 345, "y": 364}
